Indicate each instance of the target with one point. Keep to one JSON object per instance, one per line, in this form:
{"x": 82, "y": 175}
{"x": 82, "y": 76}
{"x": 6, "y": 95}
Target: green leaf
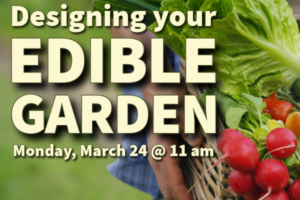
{"x": 273, "y": 124}
{"x": 262, "y": 150}
{"x": 266, "y": 117}
{"x": 248, "y": 115}
{"x": 260, "y": 133}
{"x": 258, "y": 43}
{"x": 298, "y": 149}
{"x": 234, "y": 116}
{"x": 130, "y": 6}
{"x": 171, "y": 39}
{"x": 257, "y": 101}
{"x": 223, "y": 101}
{"x": 294, "y": 172}
{"x": 290, "y": 161}
{"x": 258, "y": 104}
{"x": 170, "y": 33}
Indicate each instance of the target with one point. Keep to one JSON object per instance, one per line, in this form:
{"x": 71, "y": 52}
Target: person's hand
{"x": 168, "y": 172}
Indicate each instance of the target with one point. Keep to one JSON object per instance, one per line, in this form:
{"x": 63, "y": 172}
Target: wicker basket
{"x": 212, "y": 185}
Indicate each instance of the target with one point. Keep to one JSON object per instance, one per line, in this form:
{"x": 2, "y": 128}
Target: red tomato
{"x": 278, "y": 109}
{"x": 272, "y": 96}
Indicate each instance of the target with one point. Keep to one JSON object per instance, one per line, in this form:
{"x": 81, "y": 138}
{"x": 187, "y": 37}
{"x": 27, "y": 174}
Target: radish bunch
{"x": 239, "y": 152}
{"x": 259, "y": 180}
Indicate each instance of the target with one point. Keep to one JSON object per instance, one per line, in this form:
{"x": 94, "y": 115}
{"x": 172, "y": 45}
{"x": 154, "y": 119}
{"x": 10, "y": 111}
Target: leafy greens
{"x": 258, "y": 42}
{"x": 242, "y": 112}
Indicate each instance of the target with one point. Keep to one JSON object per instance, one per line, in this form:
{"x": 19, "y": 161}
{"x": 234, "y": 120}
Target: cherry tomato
{"x": 293, "y": 123}
{"x": 278, "y": 109}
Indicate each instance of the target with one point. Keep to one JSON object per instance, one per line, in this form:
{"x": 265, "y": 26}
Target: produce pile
{"x": 257, "y": 64}
{"x": 262, "y": 143}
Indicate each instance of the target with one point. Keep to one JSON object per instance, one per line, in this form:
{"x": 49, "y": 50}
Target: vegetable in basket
{"x": 258, "y": 41}
{"x": 271, "y": 138}
{"x": 258, "y": 52}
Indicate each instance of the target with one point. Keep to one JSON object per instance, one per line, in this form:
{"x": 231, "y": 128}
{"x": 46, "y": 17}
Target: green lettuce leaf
{"x": 234, "y": 116}
{"x": 223, "y": 101}
{"x": 258, "y": 42}
{"x": 257, "y": 103}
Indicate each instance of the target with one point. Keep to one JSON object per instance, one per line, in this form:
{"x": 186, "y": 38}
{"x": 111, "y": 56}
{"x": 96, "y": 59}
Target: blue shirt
{"x": 137, "y": 171}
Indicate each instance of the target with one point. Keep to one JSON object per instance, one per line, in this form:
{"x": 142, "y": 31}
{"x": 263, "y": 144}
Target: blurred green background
{"x": 44, "y": 178}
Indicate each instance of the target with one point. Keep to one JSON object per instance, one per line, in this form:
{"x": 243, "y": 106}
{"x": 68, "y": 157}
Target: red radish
{"x": 272, "y": 175}
{"x": 240, "y": 153}
{"x": 226, "y": 135}
{"x": 255, "y": 195}
{"x": 242, "y": 183}
{"x": 294, "y": 190}
{"x": 282, "y": 195}
{"x": 281, "y": 143}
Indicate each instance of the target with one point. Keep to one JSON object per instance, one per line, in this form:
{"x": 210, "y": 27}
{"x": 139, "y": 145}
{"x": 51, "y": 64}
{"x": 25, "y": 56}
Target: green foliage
{"x": 224, "y": 102}
{"x": 258, "y": 42}
{"x": 234, "y": 116}
{"x": 130, "y": 6}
